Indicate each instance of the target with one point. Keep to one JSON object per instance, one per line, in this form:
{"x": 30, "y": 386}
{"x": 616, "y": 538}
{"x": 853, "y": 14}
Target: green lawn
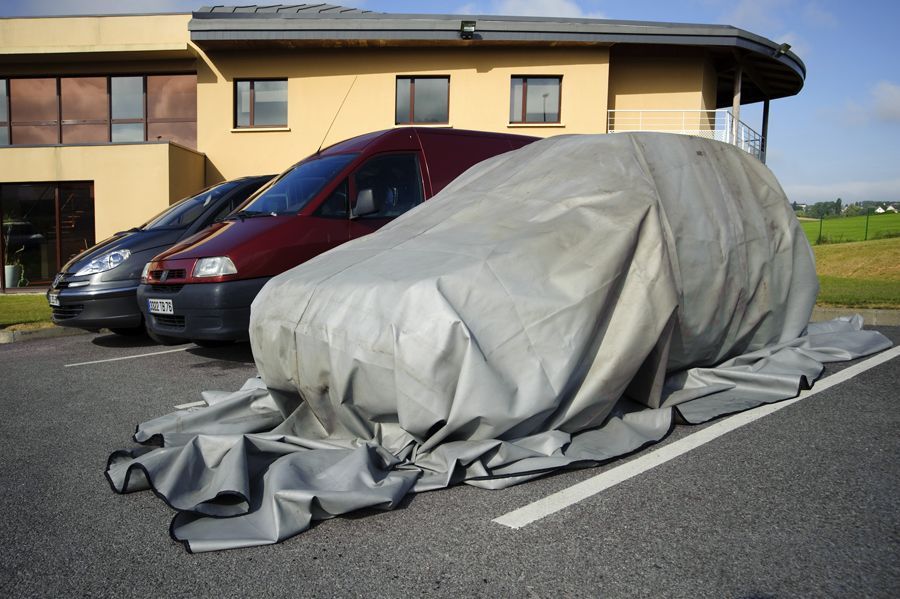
{"x": 852, "y": 228}
{"x": 22, "y": 308}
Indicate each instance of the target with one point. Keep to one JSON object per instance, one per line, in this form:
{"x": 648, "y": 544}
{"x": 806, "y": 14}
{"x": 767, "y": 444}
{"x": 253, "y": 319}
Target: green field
{"x": 852, "y": 228}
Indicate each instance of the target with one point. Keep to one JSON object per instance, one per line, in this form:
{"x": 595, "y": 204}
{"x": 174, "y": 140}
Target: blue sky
{"x": 840, "y": 137}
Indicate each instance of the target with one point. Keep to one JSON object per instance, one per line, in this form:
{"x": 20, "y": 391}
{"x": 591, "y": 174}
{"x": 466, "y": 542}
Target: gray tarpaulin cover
{"x": 554, "y": 306}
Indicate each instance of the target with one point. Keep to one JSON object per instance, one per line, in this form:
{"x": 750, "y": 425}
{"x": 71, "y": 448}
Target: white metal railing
{"x": 711, "y": 124}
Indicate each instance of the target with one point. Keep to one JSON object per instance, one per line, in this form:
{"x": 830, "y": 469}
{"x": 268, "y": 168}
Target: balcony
{"x": 711, "y": 124}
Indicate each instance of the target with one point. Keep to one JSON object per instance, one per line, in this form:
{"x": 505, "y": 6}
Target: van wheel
{"x": 164, "y": 339}
{"x": 211, "y": 342}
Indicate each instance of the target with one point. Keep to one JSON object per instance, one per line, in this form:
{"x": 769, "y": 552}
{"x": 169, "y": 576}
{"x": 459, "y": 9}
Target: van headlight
{"x": 107, "y": 261}
{"x": 214, "y": 267}
{"x": 145, "y": 273}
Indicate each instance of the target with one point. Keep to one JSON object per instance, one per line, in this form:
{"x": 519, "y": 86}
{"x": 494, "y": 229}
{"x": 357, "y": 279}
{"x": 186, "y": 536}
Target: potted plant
{"x": 13, "y": 271}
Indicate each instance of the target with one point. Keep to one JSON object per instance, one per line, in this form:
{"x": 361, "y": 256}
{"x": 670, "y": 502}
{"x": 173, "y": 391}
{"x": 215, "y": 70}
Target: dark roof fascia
{"x": 355, "y": 25}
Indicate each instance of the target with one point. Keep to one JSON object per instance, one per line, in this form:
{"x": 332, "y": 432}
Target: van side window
{"x": 395, "y": 183}
{"x": 335, "y": 206}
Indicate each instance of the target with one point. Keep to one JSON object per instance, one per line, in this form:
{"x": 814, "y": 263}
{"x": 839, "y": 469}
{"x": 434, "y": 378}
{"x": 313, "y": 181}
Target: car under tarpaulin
{"x": 555, "y": 306}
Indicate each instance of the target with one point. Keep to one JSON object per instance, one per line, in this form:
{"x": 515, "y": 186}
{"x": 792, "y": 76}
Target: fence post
{"x": 819, "y": 240}
{"x": 866, "y": 234}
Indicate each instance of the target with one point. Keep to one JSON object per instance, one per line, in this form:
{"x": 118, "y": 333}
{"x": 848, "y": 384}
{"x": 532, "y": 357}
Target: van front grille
{"x": 165, "y": 288}
{"x": 169, "y": 322}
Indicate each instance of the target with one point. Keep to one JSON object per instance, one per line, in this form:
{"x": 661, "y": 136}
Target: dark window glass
{"x": 296, "y": 187}
{"x": 33, "y": 101}
{"x": 4, "y": 135}
{"x": 185, "y": 212}
{"x": 28, "y": 213}
{"x": 76, "y": 219}
{"x": 260, "y": 103}
{"x": 395, "y": 183}
{"x": 534, "y": 100}
{"x": 423, "y": 100}
{"x": 127, "y": 97}
{"x": 336, "y": 204}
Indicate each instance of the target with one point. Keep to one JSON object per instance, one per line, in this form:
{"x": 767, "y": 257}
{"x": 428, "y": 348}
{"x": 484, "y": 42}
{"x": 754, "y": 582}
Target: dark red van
{"x": 201, "y": 289}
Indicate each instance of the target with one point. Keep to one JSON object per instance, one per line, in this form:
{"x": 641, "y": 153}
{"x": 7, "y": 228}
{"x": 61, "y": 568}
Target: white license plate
{"x": 161, "y": 306}
{"x": 53, "y": 298}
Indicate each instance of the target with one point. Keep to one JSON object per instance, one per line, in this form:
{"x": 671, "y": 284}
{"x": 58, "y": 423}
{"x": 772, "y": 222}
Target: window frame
{"x": 412, "y": 100}
{"x": 522, "y": 117}
{"x": 252, "y": 102}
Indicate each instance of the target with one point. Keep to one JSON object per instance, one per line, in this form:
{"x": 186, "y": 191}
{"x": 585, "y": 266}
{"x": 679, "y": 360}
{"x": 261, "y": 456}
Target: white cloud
{"x": 529, "y": 8}
{"x": 886, "y": 101}
{"x": 887, "y": 190}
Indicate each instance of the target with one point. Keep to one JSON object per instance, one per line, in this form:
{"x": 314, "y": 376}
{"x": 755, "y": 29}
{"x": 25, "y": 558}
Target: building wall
{"x": 319, "y": 80}
{"x": 132, "y": 182}
{"x": 68, "y": 36}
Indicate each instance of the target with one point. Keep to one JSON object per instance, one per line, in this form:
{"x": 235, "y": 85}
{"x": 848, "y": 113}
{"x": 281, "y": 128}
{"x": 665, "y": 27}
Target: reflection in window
{"x": 260, "y": 103}
{"x": 99, "y": 109}
{"x": 296, "y": 187}
{"x": 4, "y": 113}
{"x": 534, "y": 99}
{"x": 422, "y": 100}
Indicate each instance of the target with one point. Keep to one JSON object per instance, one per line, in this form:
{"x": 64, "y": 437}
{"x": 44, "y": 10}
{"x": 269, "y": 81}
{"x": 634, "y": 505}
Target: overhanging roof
{"x": 769, "y": 73}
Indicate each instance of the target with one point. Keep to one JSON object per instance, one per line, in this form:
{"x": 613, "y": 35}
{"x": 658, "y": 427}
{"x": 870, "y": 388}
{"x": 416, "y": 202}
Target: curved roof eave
{"x": 776, "y": 73}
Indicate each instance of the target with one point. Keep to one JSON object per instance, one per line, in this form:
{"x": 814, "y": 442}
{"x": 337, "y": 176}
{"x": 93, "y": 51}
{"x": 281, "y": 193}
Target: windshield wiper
{"x": 242, "y": 214}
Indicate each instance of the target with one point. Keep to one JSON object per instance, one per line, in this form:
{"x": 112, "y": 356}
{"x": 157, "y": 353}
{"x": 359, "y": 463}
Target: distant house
{"x": 880, "y": 210}
{"x": 891, "y": 209}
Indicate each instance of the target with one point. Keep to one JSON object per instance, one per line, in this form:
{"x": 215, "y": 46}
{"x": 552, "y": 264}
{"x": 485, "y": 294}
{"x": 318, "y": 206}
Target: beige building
{"x": 106, "y": 120}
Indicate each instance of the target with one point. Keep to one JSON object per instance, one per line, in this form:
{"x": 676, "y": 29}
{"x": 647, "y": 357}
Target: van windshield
{"x": 294, "y": 189}
{"x": 185, "y": 212}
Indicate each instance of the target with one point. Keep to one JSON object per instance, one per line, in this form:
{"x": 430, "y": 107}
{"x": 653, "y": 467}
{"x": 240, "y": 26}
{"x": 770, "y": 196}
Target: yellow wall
{"x": 68, "y": 35}
{"x": 318, "y": 81}
{"x": 132, "y": 182}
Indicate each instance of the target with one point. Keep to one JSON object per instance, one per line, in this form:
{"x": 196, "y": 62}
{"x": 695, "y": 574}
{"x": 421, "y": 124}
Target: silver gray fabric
{"x": 554, "y": 306}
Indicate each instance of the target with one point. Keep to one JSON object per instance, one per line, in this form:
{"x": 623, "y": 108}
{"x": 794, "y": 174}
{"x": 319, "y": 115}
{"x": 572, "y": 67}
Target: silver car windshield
{"x": 185, "y": 212}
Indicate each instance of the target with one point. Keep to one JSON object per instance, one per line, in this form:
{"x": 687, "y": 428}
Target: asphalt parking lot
{"x": 802, "y": 502}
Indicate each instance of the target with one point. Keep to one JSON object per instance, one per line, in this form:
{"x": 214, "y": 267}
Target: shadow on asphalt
{"x": 113, "y": 340}
{"x": 234, "y": 352}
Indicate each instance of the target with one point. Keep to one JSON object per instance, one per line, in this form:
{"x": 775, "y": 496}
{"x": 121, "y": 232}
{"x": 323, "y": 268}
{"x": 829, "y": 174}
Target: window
{"x": 295, "y": 188}
{"x": 395, "y": 183}
{"x": 100, "y": 109}
{"x": 4, "y": 113}
{"x": 423, "y": 100}
{"x": 260, "y": 103}
{"x": 534, "y": 99}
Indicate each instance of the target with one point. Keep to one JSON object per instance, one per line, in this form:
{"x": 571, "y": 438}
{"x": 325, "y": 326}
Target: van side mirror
{"x": 365, "y": 204}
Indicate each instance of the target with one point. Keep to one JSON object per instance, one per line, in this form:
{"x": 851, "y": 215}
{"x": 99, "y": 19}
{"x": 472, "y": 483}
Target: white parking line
{"x": 562, "y": 499}
{"x": 156, "y": 353}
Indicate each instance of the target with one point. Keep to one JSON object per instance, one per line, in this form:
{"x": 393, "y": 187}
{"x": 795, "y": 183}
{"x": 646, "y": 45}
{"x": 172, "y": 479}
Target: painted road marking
{"x": 562, "y": 499}
{"x": 156, "y": 353}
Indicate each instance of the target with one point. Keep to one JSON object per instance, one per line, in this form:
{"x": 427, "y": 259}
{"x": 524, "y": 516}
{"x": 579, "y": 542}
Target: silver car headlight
{"x": 107, "y": 261}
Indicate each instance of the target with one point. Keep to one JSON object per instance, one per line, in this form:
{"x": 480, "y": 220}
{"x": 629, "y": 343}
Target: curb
{"x": 871, "y": 317}
{"x": 48, "y": 333}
